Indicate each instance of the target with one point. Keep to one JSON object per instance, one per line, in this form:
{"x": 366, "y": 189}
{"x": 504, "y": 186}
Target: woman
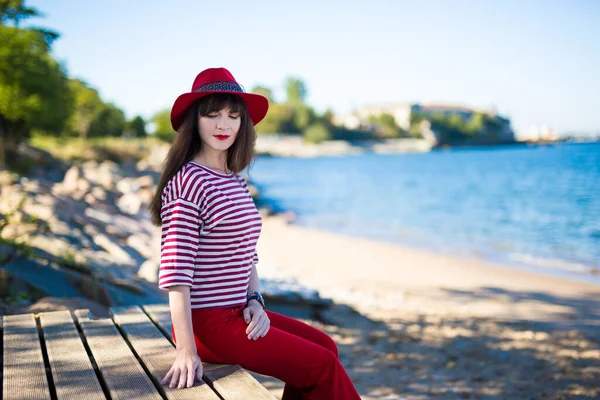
{"x": 210, "y": 227}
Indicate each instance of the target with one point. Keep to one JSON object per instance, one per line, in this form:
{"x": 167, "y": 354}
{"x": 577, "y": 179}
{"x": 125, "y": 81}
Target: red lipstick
{"x": 222, "y": 137}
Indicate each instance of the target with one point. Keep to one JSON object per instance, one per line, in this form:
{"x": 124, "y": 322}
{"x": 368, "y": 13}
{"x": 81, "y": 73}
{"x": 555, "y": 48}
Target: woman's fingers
{"x": 174, "y": 377}
{"x": 261, "y": 328}
{"x": 255, "y": 326}
{"x": 182, "y": 378}
{"x": 167, "y": 376}
{"x": 191, "y": 373}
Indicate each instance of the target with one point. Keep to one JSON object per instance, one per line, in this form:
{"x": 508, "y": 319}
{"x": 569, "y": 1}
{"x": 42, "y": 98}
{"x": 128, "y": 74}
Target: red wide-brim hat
{"x": 217, "y": 80}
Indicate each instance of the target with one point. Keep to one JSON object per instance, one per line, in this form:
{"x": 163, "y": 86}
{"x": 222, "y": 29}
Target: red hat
{"x": 218, "y": 80}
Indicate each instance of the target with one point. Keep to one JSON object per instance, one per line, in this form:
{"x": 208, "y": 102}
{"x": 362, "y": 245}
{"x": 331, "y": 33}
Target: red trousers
{"x": 303, "y": 357}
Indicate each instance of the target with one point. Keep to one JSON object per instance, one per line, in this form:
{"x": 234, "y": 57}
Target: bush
{"x": 316, "y": 133}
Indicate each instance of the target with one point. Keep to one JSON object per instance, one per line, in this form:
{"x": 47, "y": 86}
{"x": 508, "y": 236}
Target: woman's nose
{"x": 222, "y": 123}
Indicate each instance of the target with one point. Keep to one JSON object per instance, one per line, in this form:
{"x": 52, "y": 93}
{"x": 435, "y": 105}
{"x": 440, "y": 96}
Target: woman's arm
{"x": 187, "y": 364}
{"x": 254, "y": 284}
{"x": 254, "y": 314}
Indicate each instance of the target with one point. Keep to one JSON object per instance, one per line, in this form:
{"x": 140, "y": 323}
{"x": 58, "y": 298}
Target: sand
{"x": 415, "y": 324}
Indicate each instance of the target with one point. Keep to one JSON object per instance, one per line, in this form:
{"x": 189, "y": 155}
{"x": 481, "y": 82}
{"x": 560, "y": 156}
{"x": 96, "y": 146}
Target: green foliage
{"x": 456, "y": 127}
{"x": 264, "y": 91}
{"x": 109, "y": 122}
{"x": 385, "y": 126}
{"x": 279, "y": 119}
{"x": 87, "y": 107}
{"x": 72, "y": 149}
{"x": 33, "y": 86}
{"x": 162, "y": 123}
{"x": 295, "y": 90}
{"x": 317, "y": 133}
{"x": 138, "y": 125}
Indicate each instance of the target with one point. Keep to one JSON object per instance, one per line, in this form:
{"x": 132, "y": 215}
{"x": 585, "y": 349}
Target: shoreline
{"x": 412, "y": 324}
{"x": 557, "y": 268}
{"x": 410, "y": 274}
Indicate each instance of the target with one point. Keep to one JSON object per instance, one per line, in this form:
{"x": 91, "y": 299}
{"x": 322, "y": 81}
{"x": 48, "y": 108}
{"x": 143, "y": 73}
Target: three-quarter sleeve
{"x": 179, "y": 243}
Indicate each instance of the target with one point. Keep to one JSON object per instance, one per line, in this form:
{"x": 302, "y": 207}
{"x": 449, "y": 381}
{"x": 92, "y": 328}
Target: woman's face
{"x": 219, "y": 129}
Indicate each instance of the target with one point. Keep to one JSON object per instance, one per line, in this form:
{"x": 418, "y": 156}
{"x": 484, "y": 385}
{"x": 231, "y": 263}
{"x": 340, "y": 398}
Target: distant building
{"x": 402, "y": 113}
{"x": 537, "y": 133}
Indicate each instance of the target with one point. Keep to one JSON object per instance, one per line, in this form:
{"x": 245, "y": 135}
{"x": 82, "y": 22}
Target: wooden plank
{"x": 231, "y": 381}
{"x": 155, "y": 351}
{"x": 72, "y": 371}
{"x": 24, "y": 370}
{"x": 123, "y": 374}
{"x": 159, "y": 313}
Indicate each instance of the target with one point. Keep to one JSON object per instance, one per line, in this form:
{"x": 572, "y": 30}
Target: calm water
{"x": 533, "y": 207}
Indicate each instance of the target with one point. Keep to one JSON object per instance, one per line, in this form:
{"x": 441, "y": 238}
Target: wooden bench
{"x": 64, "y": 355}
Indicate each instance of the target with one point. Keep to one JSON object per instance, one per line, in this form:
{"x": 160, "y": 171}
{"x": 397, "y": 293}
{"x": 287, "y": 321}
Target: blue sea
{"x": 532, "y": 207}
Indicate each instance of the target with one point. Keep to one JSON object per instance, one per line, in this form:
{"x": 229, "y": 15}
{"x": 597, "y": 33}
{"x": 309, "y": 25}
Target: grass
{"x": 72, "y": 149}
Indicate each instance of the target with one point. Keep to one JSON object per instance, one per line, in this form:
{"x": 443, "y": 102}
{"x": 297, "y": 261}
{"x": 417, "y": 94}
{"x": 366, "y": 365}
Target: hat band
{"x": 223, "y": 86}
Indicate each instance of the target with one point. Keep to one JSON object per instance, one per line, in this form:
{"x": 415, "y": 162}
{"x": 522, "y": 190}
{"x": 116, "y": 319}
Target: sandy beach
{"x": 413, "y": 324}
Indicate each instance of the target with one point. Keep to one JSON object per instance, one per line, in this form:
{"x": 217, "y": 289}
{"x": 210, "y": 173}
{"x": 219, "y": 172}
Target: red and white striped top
{"x": 210, "y": 227}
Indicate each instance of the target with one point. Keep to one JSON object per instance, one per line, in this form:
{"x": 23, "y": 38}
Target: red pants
{"x": 303, "y": 357}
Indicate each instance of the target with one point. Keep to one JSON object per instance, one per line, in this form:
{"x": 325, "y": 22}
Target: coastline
{"x": 413, "y": 324}
{"x": 391, "y": 277}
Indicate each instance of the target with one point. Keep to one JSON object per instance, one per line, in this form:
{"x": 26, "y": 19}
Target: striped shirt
{"x": 210, "y": 227}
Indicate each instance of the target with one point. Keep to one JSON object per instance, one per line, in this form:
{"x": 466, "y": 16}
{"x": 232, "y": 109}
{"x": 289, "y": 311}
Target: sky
{"x": 535, "y": 62}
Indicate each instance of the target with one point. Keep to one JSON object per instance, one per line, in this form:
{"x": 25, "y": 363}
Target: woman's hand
{"x": 257, "y": 320}
{"x": 186, "y": 367}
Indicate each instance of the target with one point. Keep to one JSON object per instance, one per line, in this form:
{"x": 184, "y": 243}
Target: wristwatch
{"x": 255, "y": 296}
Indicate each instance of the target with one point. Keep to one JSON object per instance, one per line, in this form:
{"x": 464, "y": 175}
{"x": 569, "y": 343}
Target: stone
{"x": 145, "y": 181}
{"x": 130, "y": 203}
{"x": 99, "y": 193}
{"x": 142, "y": 244}
{"x": 149, "y": 271}
{"x": 6, "y": 253}
{"x": 70, "y": 181}
{"x": 89, "y": 199}
{"x": 112, "y": 248}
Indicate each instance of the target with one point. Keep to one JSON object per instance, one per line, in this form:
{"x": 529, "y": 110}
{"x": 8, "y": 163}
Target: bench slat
{"x": 155, "y": 350}
{"x": 24, "y": 370}
{"x": 231, "y": 381}
{"x": 124, "y": 376}
{"x": 72, "y": 370}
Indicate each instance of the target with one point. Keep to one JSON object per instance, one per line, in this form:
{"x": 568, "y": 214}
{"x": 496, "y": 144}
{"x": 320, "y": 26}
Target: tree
{"x": 109, "y": 122}
{"x": 295, "y": 90}
{"x": 162, "y": 122}
{"x": 316, "y": 133}
{"x": 279, "y": 119}
{"x": 33, "y": 86}
{"x": 138, "y": 125}
{"x": 263, "y": 91}
{"x": 87, "y": 107}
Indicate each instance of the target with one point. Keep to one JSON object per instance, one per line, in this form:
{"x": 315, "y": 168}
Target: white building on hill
{"x": 402, "y": 113}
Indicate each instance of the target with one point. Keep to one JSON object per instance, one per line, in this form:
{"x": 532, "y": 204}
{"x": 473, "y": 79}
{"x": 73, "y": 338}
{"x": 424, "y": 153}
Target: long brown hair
{"x": 187, "y": 143}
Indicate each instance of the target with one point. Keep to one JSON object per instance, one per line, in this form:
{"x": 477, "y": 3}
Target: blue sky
{"x": 537, "y": 62}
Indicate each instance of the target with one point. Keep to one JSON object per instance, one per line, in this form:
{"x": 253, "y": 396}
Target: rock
{"x": 7, "y": 178}
{"x": 142, "y": 244}
{"x": 127, "y": 185}
{"x": 70, "y": 182}
{"x": 149, "y": 271}
{"x": 12, "y": 232}
{"x": 130, "y": 203}
{"x": 46, "y": 304}
{"x": 112, "y": 248}
{"x": 146, "y": 181}
{"x": 89, "y": 199}
{"x": 6, "y": 253}
{"x": 99, "y": 193}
